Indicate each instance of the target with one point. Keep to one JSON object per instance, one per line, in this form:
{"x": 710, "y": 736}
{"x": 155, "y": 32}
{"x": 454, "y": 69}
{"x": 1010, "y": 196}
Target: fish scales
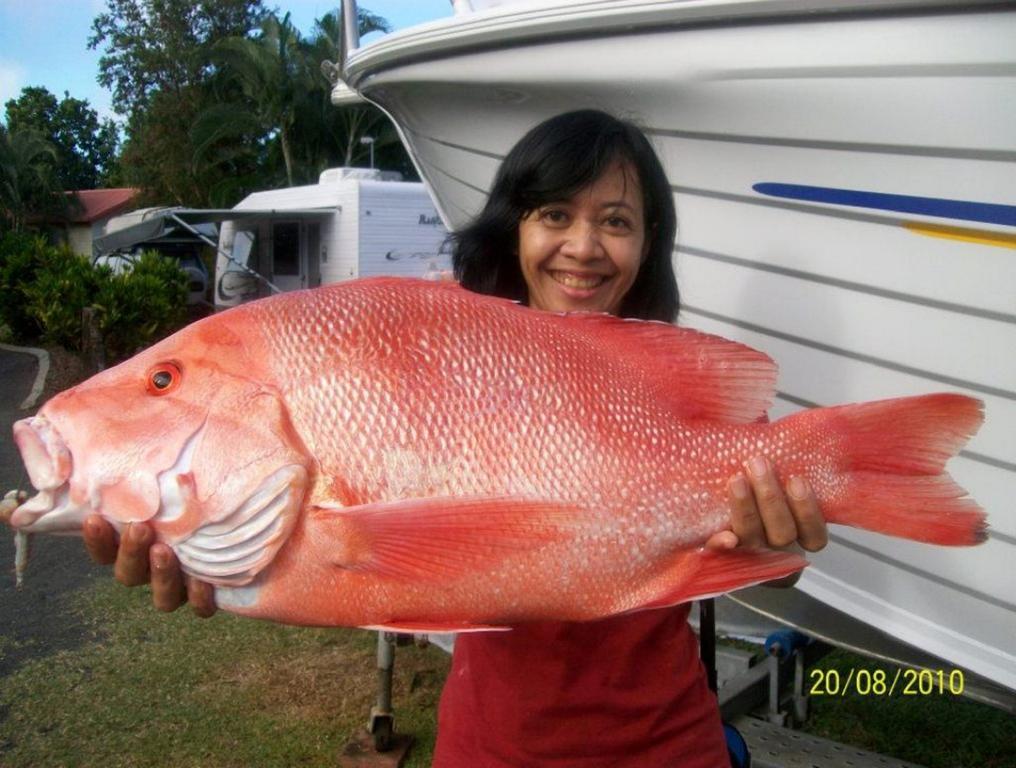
{"x": 407, "y": 454}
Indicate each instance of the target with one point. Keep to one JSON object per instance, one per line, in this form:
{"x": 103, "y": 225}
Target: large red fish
{"x": 410, "y": 455}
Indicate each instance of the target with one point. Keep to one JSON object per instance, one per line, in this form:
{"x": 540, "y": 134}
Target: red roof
{"x": 101, "y": 203}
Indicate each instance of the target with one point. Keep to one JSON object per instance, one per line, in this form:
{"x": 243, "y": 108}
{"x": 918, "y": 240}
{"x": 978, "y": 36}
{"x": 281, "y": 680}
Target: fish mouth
{"x": 49, "y": 463}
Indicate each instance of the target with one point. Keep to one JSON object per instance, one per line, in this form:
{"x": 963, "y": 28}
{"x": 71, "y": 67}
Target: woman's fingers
{"x": 7, "y": 507}
{"x": 780, "y": 528}
{"x": 722, "y": 540}
{"x": 131, "y": 567}
{"x": 745, "y": 521}
{"x": 100, "y": 540}
{"x": 138, "y": 559}
{"x": 763, "y": 513}
{"x": 201, "y": 596}
{"x": 811, "y": 526}
{"x": 168, "y": 590}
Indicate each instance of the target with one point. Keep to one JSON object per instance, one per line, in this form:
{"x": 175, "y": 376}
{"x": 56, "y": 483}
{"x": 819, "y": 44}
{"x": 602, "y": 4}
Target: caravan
{"x": 355, "y": 222}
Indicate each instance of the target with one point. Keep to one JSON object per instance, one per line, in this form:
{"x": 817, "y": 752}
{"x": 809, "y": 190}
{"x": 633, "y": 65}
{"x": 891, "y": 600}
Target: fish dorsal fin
{"x": 699, "y": 375}
{"x": 233, "y": 550}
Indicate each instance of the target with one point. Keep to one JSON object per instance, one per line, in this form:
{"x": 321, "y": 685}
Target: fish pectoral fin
{"x": 438, "y": 538}
{"x": 233, "y": 550}
{"x": 698, "y": 574}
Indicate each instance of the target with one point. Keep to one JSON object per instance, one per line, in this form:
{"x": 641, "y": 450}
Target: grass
{"x": 937, "y": 730}
{"x": 153, "y": 690}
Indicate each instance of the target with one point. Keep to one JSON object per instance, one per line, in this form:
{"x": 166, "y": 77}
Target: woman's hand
{"x": 10, "y": 502}
{"x": 763, "y": 514}
{"x": 137, "y": 560}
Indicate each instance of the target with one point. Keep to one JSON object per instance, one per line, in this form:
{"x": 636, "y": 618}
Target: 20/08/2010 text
{"x": 879, "y": 682}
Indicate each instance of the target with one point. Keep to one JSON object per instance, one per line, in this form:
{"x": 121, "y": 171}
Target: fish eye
{"x": 162, "y": 379}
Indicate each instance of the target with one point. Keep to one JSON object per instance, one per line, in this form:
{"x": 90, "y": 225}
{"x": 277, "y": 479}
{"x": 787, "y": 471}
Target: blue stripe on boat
{"x": 965, "y": 210}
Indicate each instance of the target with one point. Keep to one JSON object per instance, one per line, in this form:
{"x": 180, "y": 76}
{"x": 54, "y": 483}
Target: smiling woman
{"x": 585, "y": 252}
{"x": 592, "y": 213}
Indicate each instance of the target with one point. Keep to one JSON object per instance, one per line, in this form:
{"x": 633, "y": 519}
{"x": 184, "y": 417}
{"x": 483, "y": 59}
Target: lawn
{"x": 171, "y": 690}
{"x": 147, "y": 689}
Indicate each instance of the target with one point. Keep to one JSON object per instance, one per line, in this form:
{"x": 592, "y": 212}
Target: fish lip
{"x": 44, "y": 453}
{"x": 49, "y": 463}
{"x": 50, "y": 511}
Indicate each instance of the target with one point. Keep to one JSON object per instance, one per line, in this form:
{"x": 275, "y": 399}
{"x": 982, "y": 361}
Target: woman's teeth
{"x": 575, "y": 281}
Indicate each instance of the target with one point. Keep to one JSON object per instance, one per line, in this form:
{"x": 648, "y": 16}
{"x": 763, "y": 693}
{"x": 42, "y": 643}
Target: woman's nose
{"x": 582, "y": 242}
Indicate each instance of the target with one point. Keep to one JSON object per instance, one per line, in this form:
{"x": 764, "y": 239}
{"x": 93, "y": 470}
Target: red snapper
{"x": 406, "y": 454}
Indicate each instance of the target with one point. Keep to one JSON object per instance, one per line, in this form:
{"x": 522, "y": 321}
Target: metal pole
{"x": 229, "y": 258}
{"x": 707, "y": 639}
{"x": 381, "y": 718}
{"x": 350, "y": 30}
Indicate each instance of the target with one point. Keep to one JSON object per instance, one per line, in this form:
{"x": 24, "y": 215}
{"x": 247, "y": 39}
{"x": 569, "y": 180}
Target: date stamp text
{"x": 880, "y": 682}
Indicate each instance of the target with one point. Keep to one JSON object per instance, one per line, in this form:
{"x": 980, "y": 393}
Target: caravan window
{"x": 243, "y": 246}
{"x": 286, "y": 248}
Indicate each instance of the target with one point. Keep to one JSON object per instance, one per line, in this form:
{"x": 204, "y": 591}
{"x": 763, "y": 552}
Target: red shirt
{"x": 626, "y": 691}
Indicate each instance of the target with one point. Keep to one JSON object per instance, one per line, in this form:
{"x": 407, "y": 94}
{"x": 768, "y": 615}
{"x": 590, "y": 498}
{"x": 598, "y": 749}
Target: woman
{"x": 580, "y": 217}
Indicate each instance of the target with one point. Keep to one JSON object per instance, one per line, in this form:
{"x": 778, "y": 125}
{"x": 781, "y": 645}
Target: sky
{"x": 45, "y": 42}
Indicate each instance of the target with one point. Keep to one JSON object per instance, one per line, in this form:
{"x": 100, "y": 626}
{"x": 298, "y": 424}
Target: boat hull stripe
{"x": 964, "y": 210}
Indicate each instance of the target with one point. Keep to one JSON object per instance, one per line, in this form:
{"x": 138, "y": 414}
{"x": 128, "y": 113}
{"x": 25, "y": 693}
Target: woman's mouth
{"x": 579, "y": 285}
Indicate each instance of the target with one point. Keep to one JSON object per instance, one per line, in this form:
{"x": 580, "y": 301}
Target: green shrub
{"x": 21, "y": 257}
{"x": 64, "y": 284}
{"x": 140, "y": 304}
{"x": 44, "y": 290}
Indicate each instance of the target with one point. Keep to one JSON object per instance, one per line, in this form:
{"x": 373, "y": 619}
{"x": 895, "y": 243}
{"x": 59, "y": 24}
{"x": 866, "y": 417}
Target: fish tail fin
{"x": 892, "y": 455}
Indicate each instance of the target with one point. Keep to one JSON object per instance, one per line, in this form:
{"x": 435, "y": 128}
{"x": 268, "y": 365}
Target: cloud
{"x": 12, "y": 80}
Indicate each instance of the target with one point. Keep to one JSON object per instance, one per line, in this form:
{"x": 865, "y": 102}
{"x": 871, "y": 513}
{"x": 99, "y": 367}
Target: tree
{"x": 155, "y": 46}
{"x": 331, "y": 135}
{"x": 157, "y": 59}
{"x": 271, "y": 77}
{"x": 282, "y": 106}
{"x": 26, "y": 179}
{"x": 85, "y": 148}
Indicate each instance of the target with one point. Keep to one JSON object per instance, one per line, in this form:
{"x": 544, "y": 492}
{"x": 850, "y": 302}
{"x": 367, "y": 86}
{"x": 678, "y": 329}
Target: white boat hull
{"x": 846, "y": 194}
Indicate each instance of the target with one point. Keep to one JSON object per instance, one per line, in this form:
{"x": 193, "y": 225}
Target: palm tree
{"x": 270, "y": 76}
{"x": 331, "y": 135}
{"x": 273, "y": 96}
{"x": 26, "y": 179}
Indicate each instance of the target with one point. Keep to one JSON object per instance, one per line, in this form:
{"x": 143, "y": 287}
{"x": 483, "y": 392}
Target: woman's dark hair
{"x": 552, "y": 162}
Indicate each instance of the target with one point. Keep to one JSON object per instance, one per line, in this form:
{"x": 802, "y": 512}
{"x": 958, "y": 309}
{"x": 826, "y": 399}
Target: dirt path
{"x": 35, "y": 621}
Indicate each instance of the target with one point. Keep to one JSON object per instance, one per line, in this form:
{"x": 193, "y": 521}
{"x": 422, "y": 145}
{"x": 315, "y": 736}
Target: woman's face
{"x": 584, "y": 253}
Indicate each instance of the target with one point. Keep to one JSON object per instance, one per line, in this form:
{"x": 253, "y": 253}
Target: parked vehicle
{"x": 152, "y": 229}
{"x": 354, "y": 222}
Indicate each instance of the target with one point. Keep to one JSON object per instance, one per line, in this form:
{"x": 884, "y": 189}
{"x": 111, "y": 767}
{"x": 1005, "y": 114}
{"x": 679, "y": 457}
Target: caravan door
{"x": 289, "y": 256}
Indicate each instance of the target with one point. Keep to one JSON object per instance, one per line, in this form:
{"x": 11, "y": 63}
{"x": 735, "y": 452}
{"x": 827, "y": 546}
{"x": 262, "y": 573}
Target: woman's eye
{"x": 618, "y": 222}
{"x": 554, "y": 216}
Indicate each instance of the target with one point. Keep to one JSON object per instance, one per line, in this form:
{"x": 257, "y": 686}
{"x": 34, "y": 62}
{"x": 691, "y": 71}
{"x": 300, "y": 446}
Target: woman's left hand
{"x": 764, "y": 514}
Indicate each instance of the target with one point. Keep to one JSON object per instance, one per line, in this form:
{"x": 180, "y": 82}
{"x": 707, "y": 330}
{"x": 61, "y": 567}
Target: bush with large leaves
{"x": 44, "y": 291}
{"x": 140, "y": 304}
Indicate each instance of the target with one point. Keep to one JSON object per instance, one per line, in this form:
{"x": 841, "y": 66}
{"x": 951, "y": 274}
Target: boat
{"x": 845, "y": 181}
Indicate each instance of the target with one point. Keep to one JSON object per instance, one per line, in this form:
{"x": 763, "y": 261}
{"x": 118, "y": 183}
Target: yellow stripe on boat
{"x": 981, "y": 236}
